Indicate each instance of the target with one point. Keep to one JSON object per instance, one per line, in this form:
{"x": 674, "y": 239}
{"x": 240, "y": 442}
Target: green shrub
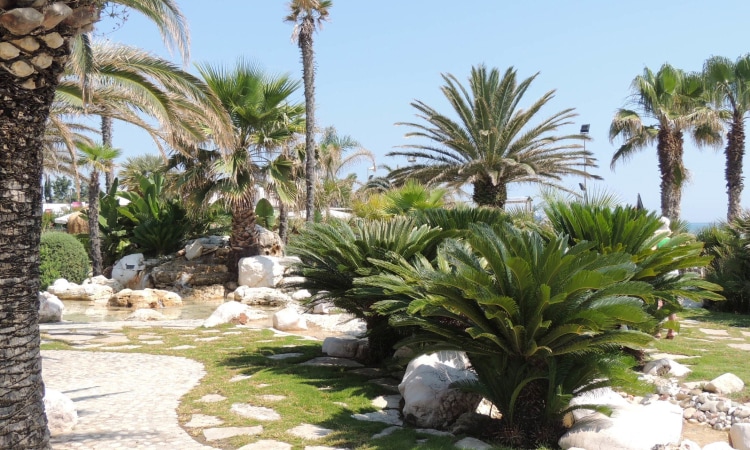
{"x": 728, "y": 243}
{"x": 62, "y": 256}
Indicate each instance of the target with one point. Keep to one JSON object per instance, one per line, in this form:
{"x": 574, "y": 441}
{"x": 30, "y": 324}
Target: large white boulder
{"x": 429, "y": 401}
{"x": 61, "y": 412}
{"x": 233, "y": 312}
{"x": 739, "y": 434}
{"x": 260, "y": 271}
{"x": 343, "y": 347}
{"x": 261, "y": 296}
{"x": 601, "y": 397}
{"x": 630, "y": 427}
{"x": 50, "y": 308}
{"x": 104, "y": 281}
{"x": 725, "y": 384}
{"x": 193, "y": 250}
{"x": 718, "y": 446}
{"x": 663, "y": 366}
{"x": 65, "y": 290}
{"x": 127, "y": 268}
{"x": 288, "y": 319}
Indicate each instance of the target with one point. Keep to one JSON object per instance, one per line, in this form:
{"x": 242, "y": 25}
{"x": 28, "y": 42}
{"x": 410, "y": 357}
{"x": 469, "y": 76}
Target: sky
{"x": 375, "y": 58}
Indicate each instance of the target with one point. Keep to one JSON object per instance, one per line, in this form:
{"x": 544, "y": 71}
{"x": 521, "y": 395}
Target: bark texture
{"x": 487, "y": 193}
{"x": 94, "y": 240}
{"x": 35, "y": 46}
{"x": 672, "y": 171}
{"x": 308, "y": 77}
{"x": 735, "y": 153}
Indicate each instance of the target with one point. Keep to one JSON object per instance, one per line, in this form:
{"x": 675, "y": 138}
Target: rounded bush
{"x": 62, "y": 256}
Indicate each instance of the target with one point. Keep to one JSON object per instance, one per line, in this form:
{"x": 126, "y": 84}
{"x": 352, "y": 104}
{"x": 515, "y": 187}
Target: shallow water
{"x": 84, "y": 311}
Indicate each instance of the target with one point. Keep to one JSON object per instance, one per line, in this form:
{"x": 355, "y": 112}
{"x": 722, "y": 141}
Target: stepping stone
{"x": 745, "y": 333}
{"x": 387, "y": 402}
{"x": 121, "y": 347}
{"x": 318, "y": 447}
{"x": 152, "y": 342}
{"x": 202, "y": 420}
{"x": 266, "y": 444}
{"x": 262, "y": 385}
{"x": 210, "y": 331}
{"x": 472, "y": 443}
{"x": 389, "y": 416}
{"x": 208, "y": 339}
{"x": 146, "y": 337}
{"x": 272, "y": 398}
{"x": 386, "y": 432}
{"x": 433, "y": 432}
{"x": 341, "y": 404}
{"x": 307, "y": 431}
{"x": 212, "y": 398}
{"x": 264, "y": 341}
{"x": 215, "y": 434}
{"x": 745, "y": 347}
{"x": 329, "y": 361}
{"x": 231, "y": 332}
{"x": 114, "y": 339}
{"x": 237, "y": 378}
{"x": 182, "y": 347}
{"x": 255, "y": 412}
{"x": 656, "y": 356}
{"x": 81, "y": 346}
{"x": 713, "y": 332}
{"x": 369, "y": 372}
{"x": 281, "y": 356}
{"x": 74, "y": 337}
{"x": 388, "y": 383}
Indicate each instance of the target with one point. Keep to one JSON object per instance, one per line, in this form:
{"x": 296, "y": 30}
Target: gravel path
{"x": 124, "y": 400}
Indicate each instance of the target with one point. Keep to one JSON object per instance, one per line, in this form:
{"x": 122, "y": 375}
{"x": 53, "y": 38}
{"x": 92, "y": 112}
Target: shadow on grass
{"x": 718, "y": 317}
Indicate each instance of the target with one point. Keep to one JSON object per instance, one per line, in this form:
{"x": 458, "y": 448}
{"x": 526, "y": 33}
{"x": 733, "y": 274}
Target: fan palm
{"x": 728, "y": 82}
{"x": 262, "y": 120}
{"x": 673, "y": 99}
{"x": 307, "y": 15}
{"x": 493, "y": 143}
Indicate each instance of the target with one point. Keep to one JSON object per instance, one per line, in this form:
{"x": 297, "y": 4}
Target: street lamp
{"x": 584, "y": 132}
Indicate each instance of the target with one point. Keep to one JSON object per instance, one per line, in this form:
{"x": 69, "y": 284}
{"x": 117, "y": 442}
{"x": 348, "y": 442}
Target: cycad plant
{"x": 634, "y": 232}
{"x": 537, "y": 318}
{"x": 728, "y": 243}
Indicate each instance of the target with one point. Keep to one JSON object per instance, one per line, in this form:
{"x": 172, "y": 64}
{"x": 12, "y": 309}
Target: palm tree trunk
{"x": 308, "y": 76}
{"x": 94, "y": 241}
{"x": 107, "y": 128}
{"x": 488, "y": 194}
{"x": 735, "y": 152}
{"x": 283, "y": 222}
{"x": 672, "y": 170}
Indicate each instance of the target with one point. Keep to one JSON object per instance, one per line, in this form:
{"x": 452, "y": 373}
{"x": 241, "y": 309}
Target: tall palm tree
{"x": 28, "y": 89}
{"x": 336, "y": 154}
{"x": 728, "y": 82}
{"x": 306, "y": 14}
{"x": 98, "y": 159}
{"x": 674, "y": 100}
{"x": 262, "y": 120}
{"x": 493, "y": 143}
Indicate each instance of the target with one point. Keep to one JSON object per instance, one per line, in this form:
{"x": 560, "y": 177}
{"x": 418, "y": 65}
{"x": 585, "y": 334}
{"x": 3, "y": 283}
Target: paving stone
{"x": 473, "y": 444}
{"x": 210, "y": 331}
{"x": 215, "y": 434}
{"x": 745, "y": 333}
{"x": 182, "y": 347}
{"x": 713, "y": 332}
{"x": 266, "y": 444}
{"x": 745, "y": 347}
{"x": 208, "y": 339}
{"x": 212, "y": 398}
{"x": 307, "y": 431}
{"x": 386, "y": 431}
{"x": 272, "y": 398}
{"x": 389, "y": 416}
{"x": 237, "y": 378}
{"x": 202, "y": 421}
{"x": 121, "y": 347}
{"x": 255, "y": 412}
{"x": 146, "y": 337}
{"x": 231, "y": 332}
{"x": 113, "y": 339}
{"x": 387, "y": 402}
{"x": 329, "y": 361}
{"x": 281, "y": 356}
{"x": 74, "y": 337}
{"x": 152, "y": 342}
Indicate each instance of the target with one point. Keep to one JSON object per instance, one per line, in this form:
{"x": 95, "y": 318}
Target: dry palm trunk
{"x": 34, "y": 38}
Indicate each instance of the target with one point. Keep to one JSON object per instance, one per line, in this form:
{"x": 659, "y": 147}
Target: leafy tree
{"x": 728, "y": 244}
{"x": 493, "y": 143}
{"x": 305, "y": 14}
{"x": 728, "y": 83}
{"x": 97, "y": 158}
{"x": 536, "y": 318}
{"x": 674, "y": 100}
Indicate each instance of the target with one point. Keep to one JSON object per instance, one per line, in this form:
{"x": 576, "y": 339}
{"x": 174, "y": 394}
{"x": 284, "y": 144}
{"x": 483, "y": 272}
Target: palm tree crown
{"x": 494, "y": 142}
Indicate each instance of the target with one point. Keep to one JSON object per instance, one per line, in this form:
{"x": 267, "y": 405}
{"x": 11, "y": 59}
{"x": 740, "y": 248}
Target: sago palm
{"x": 674, "y": 101}
{"x": 492, "y": 142}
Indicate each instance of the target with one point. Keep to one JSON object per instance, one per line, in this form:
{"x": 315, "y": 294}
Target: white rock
{"x": 342, "y": 347}
{"x": 631, "y": 427}
{"x": 288, "y": 319}
{"x": 193, "y": 250}
{"x": 145, "y": 298}
{"x": 429, "y": 401}
{"x": 145, "y": 315}
{"x": 739, "y": 435}
{"x": 127, "y": 268}
{"x": 601, "y": 396}
{"x": 718, "y": 446}
{"x": 64, "y": 290}
{"x": 255, "y": 412}
{"x": 50, "y": 308}
{"x": 233, "y": 311}
{"x": 260, "y": 271}
{"x": 104, "y": 281}
{"x": 303, "y": 294}
{"x": 61, "y": 412}
{"x": 261, "y": 296}
{"x": 472, "y": 443}
{"x": 725, "y": 384}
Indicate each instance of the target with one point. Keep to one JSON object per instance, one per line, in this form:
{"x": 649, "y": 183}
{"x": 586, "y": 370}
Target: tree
{"x": 98, "y": 159}
{"x": 728, "y": 84}
{"x": 262, "y": 119}
{"x": 334, "y": 187}
{"x": 136, "y": 167}
{"x": 675, "y": 101}
{"x": 305, "y": 14}
{"x": 493, "y": 144}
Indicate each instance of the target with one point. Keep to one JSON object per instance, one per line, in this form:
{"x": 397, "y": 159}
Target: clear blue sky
{"x": 374, "y": 58}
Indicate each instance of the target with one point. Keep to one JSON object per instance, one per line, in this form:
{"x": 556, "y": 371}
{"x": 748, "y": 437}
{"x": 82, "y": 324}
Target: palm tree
{"x": 728, "y": 82}
{"x": 305, "y": 14}
{"x": 674, "y": 100}
{"x": 262, "y": 120}
{"x": 136, "y": 167}
{"x": 98, "y": 159}
{"x": 337, "y": 153}
{"x": 493, "y": 144}
{"x": 28, "y": 91}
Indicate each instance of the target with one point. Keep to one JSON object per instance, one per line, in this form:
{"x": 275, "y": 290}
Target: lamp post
{"x": 584, "y": 132}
